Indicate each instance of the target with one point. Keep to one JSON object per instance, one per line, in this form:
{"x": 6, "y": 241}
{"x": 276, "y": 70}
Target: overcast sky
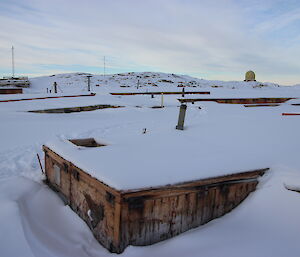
{"x": 213, "y": 39}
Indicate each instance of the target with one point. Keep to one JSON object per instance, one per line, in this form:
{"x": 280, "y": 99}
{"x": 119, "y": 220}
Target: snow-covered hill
{"x": 146, "y": 80}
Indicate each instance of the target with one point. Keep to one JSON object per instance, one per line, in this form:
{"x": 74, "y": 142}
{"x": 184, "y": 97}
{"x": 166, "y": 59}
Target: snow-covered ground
{"x": 35, "y": 222}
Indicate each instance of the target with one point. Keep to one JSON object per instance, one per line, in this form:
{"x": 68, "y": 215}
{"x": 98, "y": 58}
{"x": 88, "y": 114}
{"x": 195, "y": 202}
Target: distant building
{"x": 14, "y": 82}
{"x": 250, "y": 76}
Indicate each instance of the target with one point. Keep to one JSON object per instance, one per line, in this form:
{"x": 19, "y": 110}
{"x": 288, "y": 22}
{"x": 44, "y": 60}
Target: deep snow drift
{"x": 34, "y": 221}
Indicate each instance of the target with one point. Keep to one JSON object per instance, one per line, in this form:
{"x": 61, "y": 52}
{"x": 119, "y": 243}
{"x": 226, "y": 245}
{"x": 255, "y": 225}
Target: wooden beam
{"x": 165, "y": 93}
{"x": 290, "y": 114}
{"x": 239, "y": 100}
{"x": 46, "y": 97}
{"x": 192, "y": 185}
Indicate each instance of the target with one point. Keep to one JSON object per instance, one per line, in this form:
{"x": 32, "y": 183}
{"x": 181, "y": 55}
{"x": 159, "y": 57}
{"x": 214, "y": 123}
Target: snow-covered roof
{"x": 151, "y": 160}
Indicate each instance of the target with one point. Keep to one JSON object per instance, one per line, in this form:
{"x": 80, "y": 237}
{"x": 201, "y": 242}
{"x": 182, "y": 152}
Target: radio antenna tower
{"x": 104, "y": 66}
{"x": 13, "y": 61}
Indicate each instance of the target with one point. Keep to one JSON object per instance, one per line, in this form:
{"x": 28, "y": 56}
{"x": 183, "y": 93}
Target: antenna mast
{"x": 104, "y": 66}
{"x": 13, "y": 61}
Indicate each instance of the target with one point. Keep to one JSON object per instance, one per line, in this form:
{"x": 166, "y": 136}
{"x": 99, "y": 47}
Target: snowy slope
{"x": 150, "y": 80}
{"x": 34, "y": 221}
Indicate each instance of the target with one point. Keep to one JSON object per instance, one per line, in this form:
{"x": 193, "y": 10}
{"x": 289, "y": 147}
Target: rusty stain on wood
{"x": 290, "y": 114}
{"x": 4, "y": 91}
{"x": 149, "y": 215}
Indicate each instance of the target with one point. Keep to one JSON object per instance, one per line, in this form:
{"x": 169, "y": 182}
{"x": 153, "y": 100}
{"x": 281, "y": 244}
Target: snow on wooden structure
{"x": 260, "y": 100}
{"x": 143, "y": 216}
{"x": 78, "y": 109}
{"x": 261, "y": 105}
{"x": 165, "y": 93}
{"x": 15, "y": 82}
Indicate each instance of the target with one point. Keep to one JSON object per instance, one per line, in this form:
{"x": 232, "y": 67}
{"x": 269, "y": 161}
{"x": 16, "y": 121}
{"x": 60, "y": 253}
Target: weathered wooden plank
{"x": 4, "y": 91}
{"x": 290, "y": 114}
{"x": 261, "y": 105}
{"x": 78, "y": 109}
{"x": 239, "y": 100}
{"x": 165, "y": 93}
{"x": 47, "y": 97}
{"x": 193, "y": 185}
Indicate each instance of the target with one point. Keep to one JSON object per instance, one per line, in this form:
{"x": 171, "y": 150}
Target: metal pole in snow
{"x": 162, "y": 100}
{"x": 181, "y": 117}
{"x": 89, "y": 82}
{"x": 55, "y": 87}
{"x": 40, "y": 163}
{"x": 104, "y": 66}
{"x": 104, "y": 70}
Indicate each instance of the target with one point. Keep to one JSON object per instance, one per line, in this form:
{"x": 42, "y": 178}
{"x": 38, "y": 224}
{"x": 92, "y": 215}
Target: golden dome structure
{"x": 250, "y": 76}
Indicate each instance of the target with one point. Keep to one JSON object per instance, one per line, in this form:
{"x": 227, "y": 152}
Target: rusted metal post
{"x": 181, "y": 117}
{"x": 40, "y": 163}
{"x": 55, "y": 87}
{"x": 89, "y": 82}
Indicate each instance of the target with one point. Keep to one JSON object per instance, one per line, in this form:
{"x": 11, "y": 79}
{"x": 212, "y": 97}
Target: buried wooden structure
{"x": 292, "y": 188}
{"x": 261, "y": 105}
{"x": 239, "y": 100}
{"x": 6, "y": 91}
{"x": 290, "y": 114}
{"x": 22, "y": 82}
{"x": 139, "y": 217}
{"x": 46, "y": 97}
{"x": 77, "y": 109}
{"x": 165, "y": 93}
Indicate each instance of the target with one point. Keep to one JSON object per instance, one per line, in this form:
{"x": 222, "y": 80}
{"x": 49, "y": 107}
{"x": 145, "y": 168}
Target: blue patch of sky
{"x": 260, "y": 13}
{"x": 286, "y": 35}
{"x": 5, "y": 4}
{"x": 5, "y": 71}
{"x": 23, "y": 12}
